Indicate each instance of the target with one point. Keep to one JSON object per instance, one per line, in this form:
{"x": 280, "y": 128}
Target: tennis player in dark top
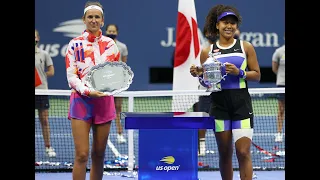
{"x": 232, "y": 106}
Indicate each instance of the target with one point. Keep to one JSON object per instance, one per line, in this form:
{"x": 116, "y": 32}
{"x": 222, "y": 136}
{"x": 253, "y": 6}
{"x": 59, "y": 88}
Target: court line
{"x": 65, "y": 117}
{"x": 113, "y": 148}
{"x": 69, "y": 135}
{"x": 110, "y": 144}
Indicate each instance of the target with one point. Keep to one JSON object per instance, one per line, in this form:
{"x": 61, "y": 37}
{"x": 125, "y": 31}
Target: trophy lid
{"x": 210, "y": 59}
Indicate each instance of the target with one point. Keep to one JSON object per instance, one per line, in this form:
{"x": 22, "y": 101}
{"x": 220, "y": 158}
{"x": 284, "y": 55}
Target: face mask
{"x": 112, "y": 36}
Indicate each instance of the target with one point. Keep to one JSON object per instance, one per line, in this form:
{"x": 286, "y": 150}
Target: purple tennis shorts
{"x": 92, "y": 110}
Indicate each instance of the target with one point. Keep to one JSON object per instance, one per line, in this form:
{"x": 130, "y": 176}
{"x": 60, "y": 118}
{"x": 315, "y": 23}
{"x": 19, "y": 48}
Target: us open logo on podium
{"x": 168, "y": 143}
{"x": 168, "y": 154}
{"x": 169, "y": 160}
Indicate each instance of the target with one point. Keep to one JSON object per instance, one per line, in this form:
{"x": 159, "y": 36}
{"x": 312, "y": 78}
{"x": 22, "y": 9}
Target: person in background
{"x": 204, "y": 101}
{"x": 112, "y": 32}
{"x": 45, "y": 69}
{"x": 89, "y": 108}
{"x": 236, "y": 34}
{"x": 278, "y": 67}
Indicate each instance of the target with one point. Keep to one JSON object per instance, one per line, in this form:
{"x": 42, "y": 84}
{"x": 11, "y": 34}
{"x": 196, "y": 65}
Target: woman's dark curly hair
{"x": 214, "y": 13}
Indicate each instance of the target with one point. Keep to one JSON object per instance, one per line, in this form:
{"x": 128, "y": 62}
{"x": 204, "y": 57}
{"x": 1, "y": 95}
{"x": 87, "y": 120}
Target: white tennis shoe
{"x": 202, "y": 148}
{"x": 279, "y": 137}
{"x": 50, "y": 152}
{"x": 121, "y": 139}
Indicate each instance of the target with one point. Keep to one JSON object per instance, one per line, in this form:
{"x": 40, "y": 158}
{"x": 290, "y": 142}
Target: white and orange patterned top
{"x": 83, "y": 53}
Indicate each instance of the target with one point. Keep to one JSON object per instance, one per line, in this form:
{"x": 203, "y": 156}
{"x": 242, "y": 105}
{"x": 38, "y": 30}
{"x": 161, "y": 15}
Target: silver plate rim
{"x": 112, "y": 64}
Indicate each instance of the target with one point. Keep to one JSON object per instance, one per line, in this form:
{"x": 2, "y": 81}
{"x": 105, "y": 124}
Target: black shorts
{"x": 204, "y": 104}
{"x": 232, "y": 104}
{"x": 42, "y": 102}
{"x": 281, "y": 96}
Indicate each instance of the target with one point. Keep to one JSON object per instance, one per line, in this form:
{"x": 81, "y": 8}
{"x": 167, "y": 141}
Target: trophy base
{"x": 213, "y": 88}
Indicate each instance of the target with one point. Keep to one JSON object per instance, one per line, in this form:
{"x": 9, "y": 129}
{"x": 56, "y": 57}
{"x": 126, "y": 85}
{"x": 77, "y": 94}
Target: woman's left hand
{"x": 232, "y": 69}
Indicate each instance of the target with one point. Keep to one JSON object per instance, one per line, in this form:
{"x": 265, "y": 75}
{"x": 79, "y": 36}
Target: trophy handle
{"x": 223, "y": 77}
{"x": 223, "y": 65}
{"x": 202, "y": 79}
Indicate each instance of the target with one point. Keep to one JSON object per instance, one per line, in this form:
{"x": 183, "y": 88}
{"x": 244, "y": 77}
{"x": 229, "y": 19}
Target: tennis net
{"x": 267, "y": 153}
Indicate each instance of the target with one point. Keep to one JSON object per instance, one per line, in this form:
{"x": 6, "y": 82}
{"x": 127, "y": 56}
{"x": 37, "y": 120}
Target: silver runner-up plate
{"x": 110, "y": 77}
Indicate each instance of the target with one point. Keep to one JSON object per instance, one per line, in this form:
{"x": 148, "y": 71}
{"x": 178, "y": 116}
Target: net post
{"x": 130, "y": 137}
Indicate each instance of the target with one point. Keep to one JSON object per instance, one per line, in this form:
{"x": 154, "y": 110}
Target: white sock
{"x": 202, "y": 143}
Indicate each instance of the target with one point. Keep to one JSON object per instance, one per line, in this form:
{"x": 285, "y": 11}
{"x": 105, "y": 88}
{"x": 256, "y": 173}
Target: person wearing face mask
{"x": 89, "y": 108}
{"x": 44, "y": 68}
{"x": 112, "y": 32}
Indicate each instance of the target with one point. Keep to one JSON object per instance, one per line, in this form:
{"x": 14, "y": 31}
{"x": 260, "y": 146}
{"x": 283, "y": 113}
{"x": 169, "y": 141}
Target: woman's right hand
{"x": 195, "y": 71}
{"x": 96, "y": 94}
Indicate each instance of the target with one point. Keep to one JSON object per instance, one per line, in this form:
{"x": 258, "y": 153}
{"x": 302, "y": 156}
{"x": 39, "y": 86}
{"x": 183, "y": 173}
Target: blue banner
{"x": 148, "y": 28}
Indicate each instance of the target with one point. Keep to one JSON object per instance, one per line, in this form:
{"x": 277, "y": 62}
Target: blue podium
{"x": 168, "y": 143}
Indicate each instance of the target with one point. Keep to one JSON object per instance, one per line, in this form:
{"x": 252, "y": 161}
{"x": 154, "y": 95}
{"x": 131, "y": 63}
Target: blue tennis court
{"x": 261, "y": 175}
{"x": 61, "y": 140}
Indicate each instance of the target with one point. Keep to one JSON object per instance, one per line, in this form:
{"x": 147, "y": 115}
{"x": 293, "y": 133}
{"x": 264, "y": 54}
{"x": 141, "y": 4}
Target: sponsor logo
{"x": 217, "y": 53}
{"x": 70, "y": 29}
{"x": 168, "y": 160}
{"x": 257, "y": 39}
{"x": 170, "y": 167}
{"x": 73, "y": 28}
